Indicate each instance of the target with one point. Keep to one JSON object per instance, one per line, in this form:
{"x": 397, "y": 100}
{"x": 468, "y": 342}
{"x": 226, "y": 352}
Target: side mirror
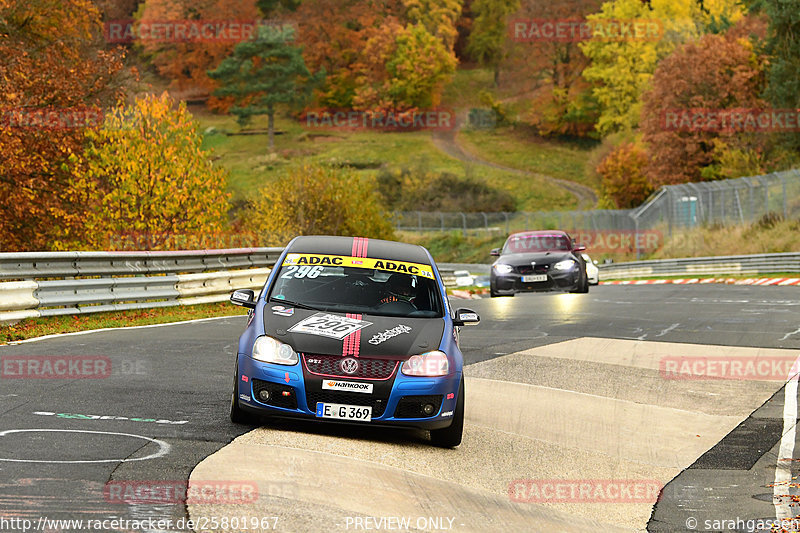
{"x": 244, "y": 298}
{"x": 579, "y": 248}
{"x": 495, "y": 252}
{"x": 466, "y": 317}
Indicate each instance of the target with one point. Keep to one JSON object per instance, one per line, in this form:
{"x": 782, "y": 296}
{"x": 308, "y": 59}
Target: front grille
{"x": 538, "y": 269}
{"x": 371, "y": 369}
{"x": 276, "y": 394}
{"x": 365, "y": 400}
{"x": 411, "y": 406}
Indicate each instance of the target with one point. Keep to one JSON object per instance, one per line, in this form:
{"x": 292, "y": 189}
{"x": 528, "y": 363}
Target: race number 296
{"x": 328, "y": 325}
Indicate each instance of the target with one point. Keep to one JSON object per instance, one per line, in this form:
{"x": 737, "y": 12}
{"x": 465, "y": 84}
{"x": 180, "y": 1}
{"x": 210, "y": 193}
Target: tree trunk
{"x": 271, "y": 128}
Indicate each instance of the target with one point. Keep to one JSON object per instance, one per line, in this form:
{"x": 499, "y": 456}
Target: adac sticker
{"x": 416, "y": 269}
{"x": 282, "y": 311}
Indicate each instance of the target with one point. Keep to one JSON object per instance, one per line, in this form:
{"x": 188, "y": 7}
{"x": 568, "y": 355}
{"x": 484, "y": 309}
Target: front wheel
{"x": 238, "y": 416}
{"x": 450, "y": 437}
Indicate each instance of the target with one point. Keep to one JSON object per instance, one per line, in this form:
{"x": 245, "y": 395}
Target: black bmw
{"x": 534, "y": 261}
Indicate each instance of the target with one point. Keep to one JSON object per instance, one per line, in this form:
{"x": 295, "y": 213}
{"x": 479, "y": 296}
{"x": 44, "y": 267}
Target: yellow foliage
{"x": 317, "y": 200}
{"x": 146, "y": 174}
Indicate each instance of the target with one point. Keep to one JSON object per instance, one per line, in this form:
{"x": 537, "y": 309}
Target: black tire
{"x": 583, "y": 285}
{"x": 238, "y": 416}
{"x": 450, "y": 437}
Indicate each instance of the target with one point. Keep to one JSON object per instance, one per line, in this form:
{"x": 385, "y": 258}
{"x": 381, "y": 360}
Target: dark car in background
{"x": 537, "y": 261}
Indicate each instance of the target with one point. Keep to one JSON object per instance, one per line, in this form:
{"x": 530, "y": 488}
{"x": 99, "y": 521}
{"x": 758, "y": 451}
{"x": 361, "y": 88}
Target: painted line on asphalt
{"x": 783, "y": 466}
{"x": 163, "y": 447}
{"x": 56, "y": 335}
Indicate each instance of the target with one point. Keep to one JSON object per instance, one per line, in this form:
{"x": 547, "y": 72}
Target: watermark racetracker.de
{"x": 584, "y": 490}
{"x": 728, "y": 368}
{"x": 577, "y": 30}
{"x": 55, "y": 367}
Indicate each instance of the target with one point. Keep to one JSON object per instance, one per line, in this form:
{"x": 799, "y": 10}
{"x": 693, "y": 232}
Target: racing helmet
{"x": 401, "y": 286}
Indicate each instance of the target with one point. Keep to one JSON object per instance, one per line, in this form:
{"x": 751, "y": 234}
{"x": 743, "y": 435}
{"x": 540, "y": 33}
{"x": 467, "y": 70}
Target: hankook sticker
{"x": 328, "y": 325}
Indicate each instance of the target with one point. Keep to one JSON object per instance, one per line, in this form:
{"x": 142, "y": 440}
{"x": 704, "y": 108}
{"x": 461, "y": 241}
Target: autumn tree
{"x": 624, "y": 181}
{"x": 487, "y": 39}
{"x": 403, "y": 68}
{"x": 715, "y": 73}
{"x": 52, "y": 64}
{"x": 263, "y": 73}
{"x": 548, "y": 72}
{"x": 783, "y": 48}
{"x": 334, "y": 36}
{"x": 316, "y": 200}
{"x": 144, "y": 173}
{"x": 621, "y": 69}
{"x": 439, "y": 17}
{"x": 186, "y": 62}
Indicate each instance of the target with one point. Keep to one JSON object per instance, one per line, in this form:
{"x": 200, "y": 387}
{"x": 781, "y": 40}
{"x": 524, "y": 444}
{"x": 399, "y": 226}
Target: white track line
{"x": 783, "y": 468}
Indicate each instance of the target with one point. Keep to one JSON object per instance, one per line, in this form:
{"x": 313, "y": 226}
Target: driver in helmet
{"x": 400, "y": 288}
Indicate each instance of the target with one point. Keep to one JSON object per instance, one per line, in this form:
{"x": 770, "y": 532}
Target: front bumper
{"x": 294, "y": 392}
{"x": 568, "y": 280}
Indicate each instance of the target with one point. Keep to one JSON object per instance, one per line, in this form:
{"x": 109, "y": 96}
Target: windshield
{"x": 358, "y": 285}
{"x": 520, "y": 244}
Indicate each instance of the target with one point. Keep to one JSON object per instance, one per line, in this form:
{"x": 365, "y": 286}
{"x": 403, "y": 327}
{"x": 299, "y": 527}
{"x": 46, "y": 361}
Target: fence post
{"x": 464, "y": 221}
{"x": 783, "y": 187}
{"x": 508, "y": 228}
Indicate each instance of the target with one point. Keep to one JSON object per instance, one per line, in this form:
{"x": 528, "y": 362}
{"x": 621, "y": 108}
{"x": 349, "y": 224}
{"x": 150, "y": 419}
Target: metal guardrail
{"x": 33, "y": 265}
{"x": 693, "y": 266}
{"x": 94, "y": 282}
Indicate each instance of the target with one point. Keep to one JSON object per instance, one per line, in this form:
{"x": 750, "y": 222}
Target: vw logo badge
{"x": 349, "y": 365}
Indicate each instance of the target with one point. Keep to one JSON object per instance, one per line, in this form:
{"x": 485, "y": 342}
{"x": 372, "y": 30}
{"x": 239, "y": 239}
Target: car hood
{"x": 396, "y": 338}
{"x": 541, "y": 258}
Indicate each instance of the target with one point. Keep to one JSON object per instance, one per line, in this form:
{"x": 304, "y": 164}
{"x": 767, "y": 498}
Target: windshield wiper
{"x": 293, "y": 304}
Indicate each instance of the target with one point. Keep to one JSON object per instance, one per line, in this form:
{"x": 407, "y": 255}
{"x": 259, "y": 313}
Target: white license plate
{"x": 344, "y": 412}
{"x": 534, "y": 278}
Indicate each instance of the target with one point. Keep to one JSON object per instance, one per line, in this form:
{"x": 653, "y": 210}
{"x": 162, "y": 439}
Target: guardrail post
{"x": 464, "y": 222}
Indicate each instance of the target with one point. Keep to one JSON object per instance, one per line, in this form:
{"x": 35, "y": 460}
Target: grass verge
{"x": 38, "y": 327}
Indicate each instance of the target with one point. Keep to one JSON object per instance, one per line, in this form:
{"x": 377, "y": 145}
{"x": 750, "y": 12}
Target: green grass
{"x": 464, "y": 91}
{"x": 38, "y": 327}
{"x": 513, "y": 148}
{"x": 251, "y": 166}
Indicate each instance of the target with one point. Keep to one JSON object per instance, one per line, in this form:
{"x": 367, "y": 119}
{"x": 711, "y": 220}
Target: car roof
{"x": 539, "y": 232}
{"x": 360, "y": 247}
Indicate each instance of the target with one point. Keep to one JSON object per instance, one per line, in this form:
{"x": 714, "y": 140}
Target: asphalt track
{"x": 560, "y": 387}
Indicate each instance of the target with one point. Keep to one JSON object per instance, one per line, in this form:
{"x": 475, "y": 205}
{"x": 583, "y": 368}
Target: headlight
{"x": 269, "y": 350}
{"x": 503, "y": 269}
{"x": 428, "y": 364}
{"x": 565, "y": 265}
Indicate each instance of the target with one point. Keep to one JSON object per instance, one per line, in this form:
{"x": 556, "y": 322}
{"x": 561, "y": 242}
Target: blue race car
{"x": 353, "y": 330}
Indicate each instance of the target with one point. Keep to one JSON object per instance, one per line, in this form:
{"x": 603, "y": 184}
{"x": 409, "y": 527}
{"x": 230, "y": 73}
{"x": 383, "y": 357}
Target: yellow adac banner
{"x": 359, "y": 262}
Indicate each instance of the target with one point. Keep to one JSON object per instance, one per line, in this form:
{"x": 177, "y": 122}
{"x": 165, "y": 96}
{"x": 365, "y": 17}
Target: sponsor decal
{"x": 347, "y": 386}
{"x": 244, "y": 397}
{"x": 380, "y": 338}
{"x": 245, "y": 378}
{"x": 282, "y": 311}
{"x": 447, "y": 413}
{"x": 349, "y": 365}
{"x": 451, "y": 396}
{"x": 75, "y": 416}
{"x": 328, "y": 325}
{"x": 416, "y": 269}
